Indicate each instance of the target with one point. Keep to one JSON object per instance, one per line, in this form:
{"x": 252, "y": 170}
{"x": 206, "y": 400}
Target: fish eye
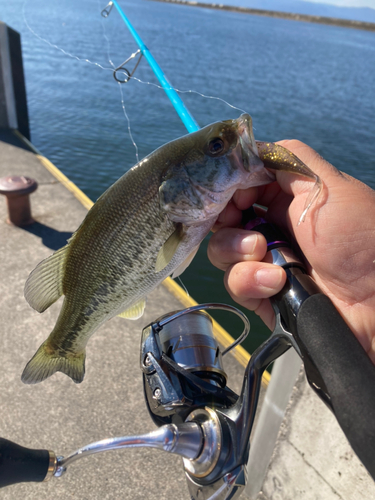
{"x": 216, "y": 146}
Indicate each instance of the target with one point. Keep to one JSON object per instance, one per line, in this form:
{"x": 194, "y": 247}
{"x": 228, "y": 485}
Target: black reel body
{"x": 182, "y": 368}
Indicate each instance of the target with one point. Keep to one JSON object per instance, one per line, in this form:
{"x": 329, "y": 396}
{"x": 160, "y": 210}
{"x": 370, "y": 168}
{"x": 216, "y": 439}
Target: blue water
{"x": 297, "y": 80}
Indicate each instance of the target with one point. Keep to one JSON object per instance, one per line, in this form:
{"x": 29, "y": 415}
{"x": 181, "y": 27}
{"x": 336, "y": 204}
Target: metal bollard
{"x": 17, "y": 188}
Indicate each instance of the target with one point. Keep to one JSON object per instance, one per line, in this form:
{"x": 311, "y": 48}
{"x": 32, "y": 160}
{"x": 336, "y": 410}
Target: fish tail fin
{"x": 47, "y": 361}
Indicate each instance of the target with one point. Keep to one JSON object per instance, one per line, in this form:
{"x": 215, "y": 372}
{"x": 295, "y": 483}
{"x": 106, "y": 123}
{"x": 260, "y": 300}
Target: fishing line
{"x": 119, "y": 84}
{"x": 191, "y": 92}
{"x": 80, "y": 59}
{"x": 56, "y": 46}
{"x": 128, "y": 120}
{"x": 183, "y": 286}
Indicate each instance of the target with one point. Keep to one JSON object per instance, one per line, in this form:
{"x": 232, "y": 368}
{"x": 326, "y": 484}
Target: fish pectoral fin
{"x": 46, "y": 361}
{"x": 44, "y": 285}
{"x": 135, "y": 311}
{"x": 168, "y": 250}
{"x": 181, "y": 268}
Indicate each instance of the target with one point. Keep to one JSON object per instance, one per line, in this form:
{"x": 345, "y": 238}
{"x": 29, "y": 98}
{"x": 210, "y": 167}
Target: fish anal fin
{"x": 44, "y": 285}
{"x": 168, "y": 250}
{"x": 135, "y": 311}
{"x": 46, "y": 361}
{"x": 181, "y": 268}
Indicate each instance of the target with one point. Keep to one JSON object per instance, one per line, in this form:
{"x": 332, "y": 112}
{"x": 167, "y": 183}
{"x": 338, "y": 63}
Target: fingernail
{"x": 269, "y": 277}
{"x": 245, "y": 245}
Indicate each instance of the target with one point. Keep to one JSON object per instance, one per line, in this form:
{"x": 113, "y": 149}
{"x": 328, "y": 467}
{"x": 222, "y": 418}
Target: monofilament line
{"x": 56, "y": 46}
{"x": 191, "y": 91}
{"x": 120, "y": 85}
{"x": 128, "y": 120}
{"x": 183, "y": 286}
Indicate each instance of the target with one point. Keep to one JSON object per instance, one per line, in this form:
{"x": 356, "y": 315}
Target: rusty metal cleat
{"x": 17, "y": 189}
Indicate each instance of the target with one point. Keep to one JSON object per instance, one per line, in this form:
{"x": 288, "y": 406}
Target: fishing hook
{"x": 106, "y": 11}
{"x": 121, "y": 67}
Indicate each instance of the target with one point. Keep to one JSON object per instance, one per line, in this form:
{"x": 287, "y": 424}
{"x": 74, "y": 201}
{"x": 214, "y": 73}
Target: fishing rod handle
{"x": 20, "y": 465}
{"x": 337, "y": 367}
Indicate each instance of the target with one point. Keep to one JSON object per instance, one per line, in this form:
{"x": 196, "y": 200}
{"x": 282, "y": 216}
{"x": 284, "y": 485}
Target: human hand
{"x": 337, "y": 239}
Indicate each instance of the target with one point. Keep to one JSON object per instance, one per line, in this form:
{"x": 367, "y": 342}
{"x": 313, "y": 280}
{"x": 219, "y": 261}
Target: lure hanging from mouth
{"x": 276, "y": 157}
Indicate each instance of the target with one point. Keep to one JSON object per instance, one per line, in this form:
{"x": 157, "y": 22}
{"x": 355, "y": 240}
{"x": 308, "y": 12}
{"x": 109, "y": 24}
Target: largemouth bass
{"x": 148, "y": 225}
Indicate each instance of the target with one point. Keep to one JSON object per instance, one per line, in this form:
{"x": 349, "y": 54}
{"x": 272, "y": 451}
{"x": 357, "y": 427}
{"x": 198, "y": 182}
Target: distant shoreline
{"x": 333, "y": 21}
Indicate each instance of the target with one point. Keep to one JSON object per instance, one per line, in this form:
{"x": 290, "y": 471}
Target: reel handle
{"x": 20, "y": 465}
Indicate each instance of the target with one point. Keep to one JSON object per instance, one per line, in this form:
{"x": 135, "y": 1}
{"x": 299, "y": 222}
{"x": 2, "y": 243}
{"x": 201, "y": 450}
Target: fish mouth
{"x": 249, "y": 150}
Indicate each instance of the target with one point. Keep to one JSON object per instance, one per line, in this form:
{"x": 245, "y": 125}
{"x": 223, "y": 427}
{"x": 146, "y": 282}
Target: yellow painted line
{"x": 80, "y": 195}
{"x": 225, "y": 339}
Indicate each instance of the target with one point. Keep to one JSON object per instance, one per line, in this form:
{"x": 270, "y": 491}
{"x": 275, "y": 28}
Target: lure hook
{"x": 124, "y": 70}
{"x": 106, "y": 11}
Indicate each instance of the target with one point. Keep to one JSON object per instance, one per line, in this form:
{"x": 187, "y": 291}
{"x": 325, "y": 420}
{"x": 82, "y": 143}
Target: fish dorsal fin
{"x": 135, "y": 311}
{"x": 44, "y": 285}
{"x": 168, "y": 250}
{"x": 181, "y": 268}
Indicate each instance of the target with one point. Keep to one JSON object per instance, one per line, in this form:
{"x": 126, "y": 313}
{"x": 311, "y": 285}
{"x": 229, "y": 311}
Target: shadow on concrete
{"x": 9, "y": 137}
{"x": 50, "y": 237}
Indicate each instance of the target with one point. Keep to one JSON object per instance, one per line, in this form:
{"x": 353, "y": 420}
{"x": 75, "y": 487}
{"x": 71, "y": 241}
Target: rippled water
{"x": 297, "y": 80}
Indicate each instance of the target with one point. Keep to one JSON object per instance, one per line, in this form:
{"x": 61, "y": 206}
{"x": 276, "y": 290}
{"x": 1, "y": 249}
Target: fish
{"x": 147, "y": 226}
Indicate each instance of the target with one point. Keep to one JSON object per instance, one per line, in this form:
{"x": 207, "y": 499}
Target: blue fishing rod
{"x": 182, "y": 111}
